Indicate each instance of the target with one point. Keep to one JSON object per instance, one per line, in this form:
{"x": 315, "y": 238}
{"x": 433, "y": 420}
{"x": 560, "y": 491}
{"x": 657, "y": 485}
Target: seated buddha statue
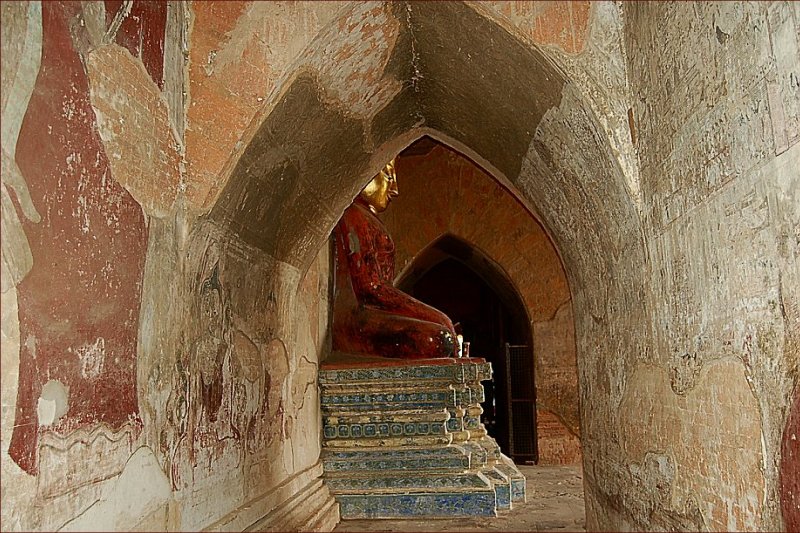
{"x": 370, "y": 315}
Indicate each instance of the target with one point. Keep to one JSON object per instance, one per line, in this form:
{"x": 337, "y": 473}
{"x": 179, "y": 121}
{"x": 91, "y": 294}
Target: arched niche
{"x": 313, "y": 148}
{"x": 447, "y": 198}
{"x": 473, "y": 290}
{"x": 509, "y": 107}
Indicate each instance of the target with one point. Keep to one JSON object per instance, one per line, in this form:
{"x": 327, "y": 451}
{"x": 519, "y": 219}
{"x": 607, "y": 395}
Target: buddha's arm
{"x": 376, "y": 293}
{"x": 389, "y": 299}
{"x": 370, "y": 289}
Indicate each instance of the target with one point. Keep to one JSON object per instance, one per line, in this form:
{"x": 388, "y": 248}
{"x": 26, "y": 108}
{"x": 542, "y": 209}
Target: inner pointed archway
{"x": 451, "y": 208}
{"x": 509, "y": 106}
{"x": 472, "y": 290}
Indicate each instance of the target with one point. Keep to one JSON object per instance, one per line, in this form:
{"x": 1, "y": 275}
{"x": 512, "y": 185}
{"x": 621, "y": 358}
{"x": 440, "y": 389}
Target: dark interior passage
{"x": 490, "y": 317}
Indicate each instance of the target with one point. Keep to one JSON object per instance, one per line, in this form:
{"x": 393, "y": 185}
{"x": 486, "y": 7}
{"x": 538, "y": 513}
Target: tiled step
{"x": 390, "y": 396}
{"x": 420, "y": 471}
{"x": 405, "y": 504}
{"x": 418, "y": 460}
{"x": 403, "y": 439}
{"x": 502, "y": 487}
{"x": 434, "y": 505}
{"x": 507, "y": 467}
{"x": 409, "y": 482}
{"x": 354, "y": 399}
{"x": 376, "y": 415}
{"x": 477, "y": 454}
{"x": 391, "y": 428}
{"x": 447, "y": 370}
{"x": 493, "y": 453}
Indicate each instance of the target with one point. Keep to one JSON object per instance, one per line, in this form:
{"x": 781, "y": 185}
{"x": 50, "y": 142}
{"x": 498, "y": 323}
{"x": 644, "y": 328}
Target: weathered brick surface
{"x": 133, "y": 121}
{"x": 238, "y": 53}
{"x": 718, "y": 135}
{"x": 561, "y": 24}
{"x": 710, "y": 432}
{"x": 557, "y": 445}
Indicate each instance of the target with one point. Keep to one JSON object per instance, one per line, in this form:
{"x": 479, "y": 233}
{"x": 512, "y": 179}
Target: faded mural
{"x": 91, "y": 163}
{"x": 88, "y": 253}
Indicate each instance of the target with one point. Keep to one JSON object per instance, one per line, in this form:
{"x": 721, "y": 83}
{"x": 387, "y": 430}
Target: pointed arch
{"x": 451, "y": 246}
{"x": 510, "y": 107}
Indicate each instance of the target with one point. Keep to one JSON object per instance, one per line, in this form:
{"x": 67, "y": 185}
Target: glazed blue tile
{"x": 518, "y": 490}
{"x": 413, "y": 481}
{"x": 503, "y": 496}
{"x": 517, "y": 480}
{"x": 455, "y": 423}
{"x": 417, "y": 505}
{"x": 388, "y": 373}
{"x": 436, "y": 480}
{"x": 454, "y": 464}
{"x": 446, "y": 451}
{"x": 472, "y": 422}
{"x": 502, "y": 488}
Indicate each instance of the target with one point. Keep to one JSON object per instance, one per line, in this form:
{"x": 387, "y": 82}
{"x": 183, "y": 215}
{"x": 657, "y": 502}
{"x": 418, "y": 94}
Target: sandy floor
{"x": 555, "y": 503}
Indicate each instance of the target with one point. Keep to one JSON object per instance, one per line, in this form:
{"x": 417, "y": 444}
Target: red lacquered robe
{"x": 370, "y": 315}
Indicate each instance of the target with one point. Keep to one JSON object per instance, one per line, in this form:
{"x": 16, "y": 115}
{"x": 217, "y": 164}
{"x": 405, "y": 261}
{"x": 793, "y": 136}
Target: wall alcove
{"x": 472, "y": 290}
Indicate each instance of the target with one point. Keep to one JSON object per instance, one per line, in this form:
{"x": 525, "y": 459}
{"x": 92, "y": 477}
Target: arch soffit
{"x": 307, "y": 157}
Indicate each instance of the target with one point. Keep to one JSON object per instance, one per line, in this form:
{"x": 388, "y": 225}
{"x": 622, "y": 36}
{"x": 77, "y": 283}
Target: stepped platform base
{"x": 403, "y": 439}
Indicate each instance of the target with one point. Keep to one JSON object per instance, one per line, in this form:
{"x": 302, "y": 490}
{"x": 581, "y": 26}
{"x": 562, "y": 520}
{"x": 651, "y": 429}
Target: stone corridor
{"x": 555, "y": 503}
{"x": 620, "y": 177}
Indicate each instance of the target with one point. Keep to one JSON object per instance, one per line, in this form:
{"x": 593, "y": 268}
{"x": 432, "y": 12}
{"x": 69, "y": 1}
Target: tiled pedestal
{"x": 404, "y": 439}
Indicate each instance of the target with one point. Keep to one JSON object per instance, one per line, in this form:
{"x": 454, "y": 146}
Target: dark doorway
{"x": 471, "y": 289}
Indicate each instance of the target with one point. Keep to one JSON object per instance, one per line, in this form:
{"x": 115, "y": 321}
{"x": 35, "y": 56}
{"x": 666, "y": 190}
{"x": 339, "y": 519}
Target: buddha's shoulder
{"x": 358, "y": 212}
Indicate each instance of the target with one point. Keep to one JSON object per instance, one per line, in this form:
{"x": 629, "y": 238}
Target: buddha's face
{"x": 380, "y": 191}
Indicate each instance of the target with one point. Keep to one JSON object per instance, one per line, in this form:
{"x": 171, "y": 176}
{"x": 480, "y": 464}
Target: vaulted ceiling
{"x": 377, "y": 79}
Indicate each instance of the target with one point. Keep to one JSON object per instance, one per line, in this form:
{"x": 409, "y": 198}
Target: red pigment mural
{"x": 79, "y": 305}
{"x": 790, "y": 467}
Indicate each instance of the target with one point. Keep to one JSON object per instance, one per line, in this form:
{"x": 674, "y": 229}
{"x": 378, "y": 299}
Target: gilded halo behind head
{"x": 381, "y": 189}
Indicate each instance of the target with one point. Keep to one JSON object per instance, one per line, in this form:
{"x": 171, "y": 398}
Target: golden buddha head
{"x": 381, "y": 189}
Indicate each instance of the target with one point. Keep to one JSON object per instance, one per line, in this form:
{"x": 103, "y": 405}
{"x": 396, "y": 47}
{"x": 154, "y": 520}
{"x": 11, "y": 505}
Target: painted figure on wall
{"x": 72, "y": 246}
{"x": 370, "y": 315}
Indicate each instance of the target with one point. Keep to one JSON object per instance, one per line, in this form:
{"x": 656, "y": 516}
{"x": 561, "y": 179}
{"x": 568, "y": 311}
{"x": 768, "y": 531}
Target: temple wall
{"x": 688, "y": 353}
{"x": 158, "y": 373}
{"x": 74, "y": 246}
{"x": 716, "y": 118}
{"x": 443, "y": 192}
